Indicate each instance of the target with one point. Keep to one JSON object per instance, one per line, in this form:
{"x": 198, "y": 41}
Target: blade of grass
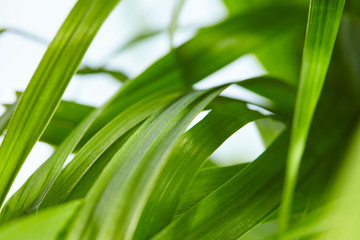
{"x": 40, "y": 99}
{"x": 323, "y": 23}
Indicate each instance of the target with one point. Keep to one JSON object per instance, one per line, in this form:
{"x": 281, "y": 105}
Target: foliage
{"x": 139, "y": 173}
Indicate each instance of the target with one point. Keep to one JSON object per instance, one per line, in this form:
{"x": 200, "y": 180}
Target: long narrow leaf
{"x": 218, "y": 216}
{"x": 83, "y": 160}
{"x": 187, "y": 157}
{"x": 131, "y": 174}
{"x": 43, "y": 94}
{"x": 323, "y": 23}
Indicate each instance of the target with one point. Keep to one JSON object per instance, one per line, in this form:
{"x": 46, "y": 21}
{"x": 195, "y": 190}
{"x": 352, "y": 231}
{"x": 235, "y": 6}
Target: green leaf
{"x": 116, "y": 74}
{"x": 43, "y": 94}
{"x": 45, "y": 225}
{"x": 285, "y": 64}
{"x": 85, "y": 183}
{"x": 207, "y": 180}
{"x": 343, "y": 216}
{"x": 27, "y": 196}
{"x": 192, "y": 150}
{"x": 5, "y": 118}
{"x": 235, "y": 37}
{"x": 25, "y": 34}
{"x": 131, "y": 174}
{"x": 323, "y": 23}
{"x": 66, "y": 118}
{"x": 239, "y": 204}
{"x": 89, "y": 154}
{"x": 281, "y": 94}
{"x": 269, "y": 129}
{"x": 179, "y": 4}
{"x": 229, "y": 217}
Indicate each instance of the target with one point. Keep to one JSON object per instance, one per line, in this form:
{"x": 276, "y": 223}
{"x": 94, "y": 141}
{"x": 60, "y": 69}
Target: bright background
{"x": 19, "y": 57}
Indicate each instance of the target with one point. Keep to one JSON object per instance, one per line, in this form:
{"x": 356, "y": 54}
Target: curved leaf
{"x": 43, "y": 94}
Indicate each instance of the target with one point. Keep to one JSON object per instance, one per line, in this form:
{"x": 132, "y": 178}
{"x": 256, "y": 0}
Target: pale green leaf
{"x": 323, "y": 23}
{"x": 43, "y": 226}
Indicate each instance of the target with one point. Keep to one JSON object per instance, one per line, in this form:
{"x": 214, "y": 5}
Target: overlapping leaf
{"x": 130, "y": 175}
{"x": 43, "y": 94}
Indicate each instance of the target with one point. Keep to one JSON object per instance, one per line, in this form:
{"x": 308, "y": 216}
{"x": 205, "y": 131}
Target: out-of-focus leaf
{"x": 281, "y": 94}
{"x": 353, "y": 8}
{"x": 138, "y": 38}
{"x": 236, "y": 7}
{"x": 282, "y": 59}
{"x": 25, "y": 34}
{"x": 131, "y": 174}
{"x": 235, "y": 37}
{"x": 323, "y": 23}
{"x": 343, "y": 217}
{"x": 43, "y": 94}
{"x": 349, "y": 37}
{"x": 5, "y": 118}
{"x": 67, "y": 116}
{"x": 269, "y": 129}
{"x": 43, "y": 226}
{"x": 179, "y": 4}
{"x": 116, "y": 74}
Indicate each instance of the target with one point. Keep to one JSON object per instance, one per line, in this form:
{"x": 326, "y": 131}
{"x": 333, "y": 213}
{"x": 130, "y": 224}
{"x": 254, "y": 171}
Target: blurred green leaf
{"x": 45, "y": 225}
{"x": 323, "y": 23}
{"x": 116, "y": 74}
{"x": 235, "y": 37}
{"x": 281, "y": 94}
